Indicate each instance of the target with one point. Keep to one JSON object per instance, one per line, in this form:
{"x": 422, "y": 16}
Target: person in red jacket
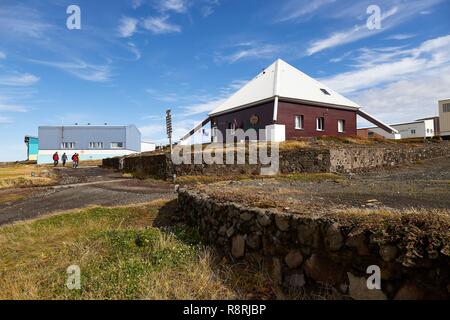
{"x": 75, "y": 159}
{"x": 55, "y": 159}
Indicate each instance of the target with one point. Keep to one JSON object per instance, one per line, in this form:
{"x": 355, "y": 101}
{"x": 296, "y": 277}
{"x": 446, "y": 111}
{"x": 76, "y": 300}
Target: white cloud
{"x": 251, "y": 50}
{"x": 81, "y": 69}
{"x": 11, "y": 108}
{"x": 21, "y": 21}
{"x": 399, "y": 12}
{"x": 179, "y": 6}
{"x": 134, "y": 49}
{"x": 127, "y": 26}
{"x": 407, "y": 100}
{"x": 401, "y": 36}
{"x": 4, "y": 120}
{"x": 204, "y": 107}
{"x": 376, "y": 67}
{"x": 25, "y": 79}
{"x": 2, "y": 55}
{"x": 160, "y": 25}
{"x": 347, "y": 36}
{"x": 296, "y": 9}
{"x": 209, "y": 7}
{"x": 137, "y": 3}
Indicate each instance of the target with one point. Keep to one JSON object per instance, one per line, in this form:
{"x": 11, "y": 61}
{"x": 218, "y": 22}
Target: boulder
{"x": 293, "y": 259}
{"x": 282, "y": 222}
{"x": 322, "y": 269}
{"x": 388, "y": 253}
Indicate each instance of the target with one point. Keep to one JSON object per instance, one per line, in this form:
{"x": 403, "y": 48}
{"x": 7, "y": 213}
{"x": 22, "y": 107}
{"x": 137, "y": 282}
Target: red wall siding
{"x": 263, "y": 111}
{"x": 288, "y": 110}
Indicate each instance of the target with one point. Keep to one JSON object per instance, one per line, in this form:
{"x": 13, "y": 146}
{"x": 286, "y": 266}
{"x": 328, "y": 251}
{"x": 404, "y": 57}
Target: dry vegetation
{"x": 24, "y": 175}
{"x": 121, "y": 256}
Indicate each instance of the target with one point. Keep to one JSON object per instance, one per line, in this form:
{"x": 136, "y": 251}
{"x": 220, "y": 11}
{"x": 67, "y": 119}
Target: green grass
{"x": 121, "y": 256}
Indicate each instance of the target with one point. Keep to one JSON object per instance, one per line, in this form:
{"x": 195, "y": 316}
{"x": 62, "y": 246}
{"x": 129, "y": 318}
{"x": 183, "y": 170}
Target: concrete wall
{"x": 301, "y": 252}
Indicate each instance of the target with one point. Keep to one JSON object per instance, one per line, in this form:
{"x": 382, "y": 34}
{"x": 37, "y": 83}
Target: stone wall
{"x": 354, "y": 159}
{"x": 301, "y": 251}
{"x": 332, "y": 159}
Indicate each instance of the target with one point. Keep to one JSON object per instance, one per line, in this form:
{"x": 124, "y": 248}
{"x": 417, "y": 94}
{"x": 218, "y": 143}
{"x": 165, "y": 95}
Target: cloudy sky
{"x": 132, "y": 59}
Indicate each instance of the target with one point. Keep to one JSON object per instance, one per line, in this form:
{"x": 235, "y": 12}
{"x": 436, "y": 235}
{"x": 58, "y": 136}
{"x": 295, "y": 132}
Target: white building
{"x": 444, "y": 118}
{"x": 147, "y": 146}
{"x": 423, "y": 128}
{"x": 90, "y": 142}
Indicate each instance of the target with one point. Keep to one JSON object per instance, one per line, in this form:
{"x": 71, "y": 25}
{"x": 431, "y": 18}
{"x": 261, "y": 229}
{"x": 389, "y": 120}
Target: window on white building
{"x": 116, "y": 145}
{"x": 299, "y": 122}
{"x": 95, "y": 145}
{"x": 68, "y": 145}
{"x": 413, "y": 131}
{"x": 446, "y": 107}
{"x": 320, "y": 124}
{"x": 341, "y": 126}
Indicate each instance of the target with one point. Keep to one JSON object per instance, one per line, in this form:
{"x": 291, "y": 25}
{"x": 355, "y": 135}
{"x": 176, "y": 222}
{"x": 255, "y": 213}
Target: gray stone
{"x": 246, "y": 216}
{"x": 358, "y": 289}
{"x": 323, "y": 270}
{"x": 277, "y": 275}
{"x": 306, "y": 234}
{"x": 238, "y": 246}
{"x": 282, "y": 222}
{"x": 295, "y": 281}
{"x": 264, "y": 220}
{"x": 358, "y": 242}
{"x": 230, "y": 232}
{"x": 253, "y": 241}
{"x": 293, "y": 259}
{"x": 333, "y": 238}
{"x": 388, "y": 253}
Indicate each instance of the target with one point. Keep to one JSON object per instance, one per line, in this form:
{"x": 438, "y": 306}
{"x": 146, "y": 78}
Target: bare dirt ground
{"x": 422, "y": 185}
{"x": 79, "y": 188}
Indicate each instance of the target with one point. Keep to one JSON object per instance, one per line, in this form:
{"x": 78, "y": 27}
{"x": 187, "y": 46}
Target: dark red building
{"x": 288, "y": 104}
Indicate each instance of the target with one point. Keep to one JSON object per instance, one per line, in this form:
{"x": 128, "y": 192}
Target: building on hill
{"x": 422, "y": 128}
{"x": 444, "y": 118}
{"x": 147, "y": 146}
{"x": 287, "y": 104}
{"x": 32, "y": 147}
{"x": 89, "y": 141}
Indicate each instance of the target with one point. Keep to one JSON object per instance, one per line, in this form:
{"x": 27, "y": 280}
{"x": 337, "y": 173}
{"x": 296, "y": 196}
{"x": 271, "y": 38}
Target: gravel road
{"x": 80, "y": 188}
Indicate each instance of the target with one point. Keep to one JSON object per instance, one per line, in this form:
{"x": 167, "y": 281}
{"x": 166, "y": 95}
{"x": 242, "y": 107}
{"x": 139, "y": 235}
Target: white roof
{"x": 283, "y": 80}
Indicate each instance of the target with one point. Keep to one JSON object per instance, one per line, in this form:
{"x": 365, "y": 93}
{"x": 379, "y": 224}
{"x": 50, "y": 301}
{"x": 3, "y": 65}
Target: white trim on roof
{"x": 286, "y": 82}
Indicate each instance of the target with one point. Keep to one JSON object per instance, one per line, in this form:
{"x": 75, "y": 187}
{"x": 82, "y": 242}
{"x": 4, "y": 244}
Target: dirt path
{"x": 81, "y": 188}
{"x": 422, "y": 185}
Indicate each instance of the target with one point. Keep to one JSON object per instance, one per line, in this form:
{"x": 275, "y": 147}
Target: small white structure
{"x": 276, "y": 133}
{"x": 147, "y": 146}
{"x": 416, "y": 129}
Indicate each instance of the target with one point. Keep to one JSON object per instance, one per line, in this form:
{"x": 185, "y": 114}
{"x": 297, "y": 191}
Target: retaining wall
{"x": 301, "y": 252}
{"x": 333, "y": 159}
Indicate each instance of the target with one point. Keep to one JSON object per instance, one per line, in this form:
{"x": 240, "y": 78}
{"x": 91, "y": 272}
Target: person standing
{"x": 64, "y": 159}
{"x": 55, "y": 159}
{"x": 75, "y": 160}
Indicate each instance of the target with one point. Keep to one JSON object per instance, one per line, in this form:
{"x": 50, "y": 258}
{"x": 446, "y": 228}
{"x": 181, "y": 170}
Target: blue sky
{"x": 133, "y": 59}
